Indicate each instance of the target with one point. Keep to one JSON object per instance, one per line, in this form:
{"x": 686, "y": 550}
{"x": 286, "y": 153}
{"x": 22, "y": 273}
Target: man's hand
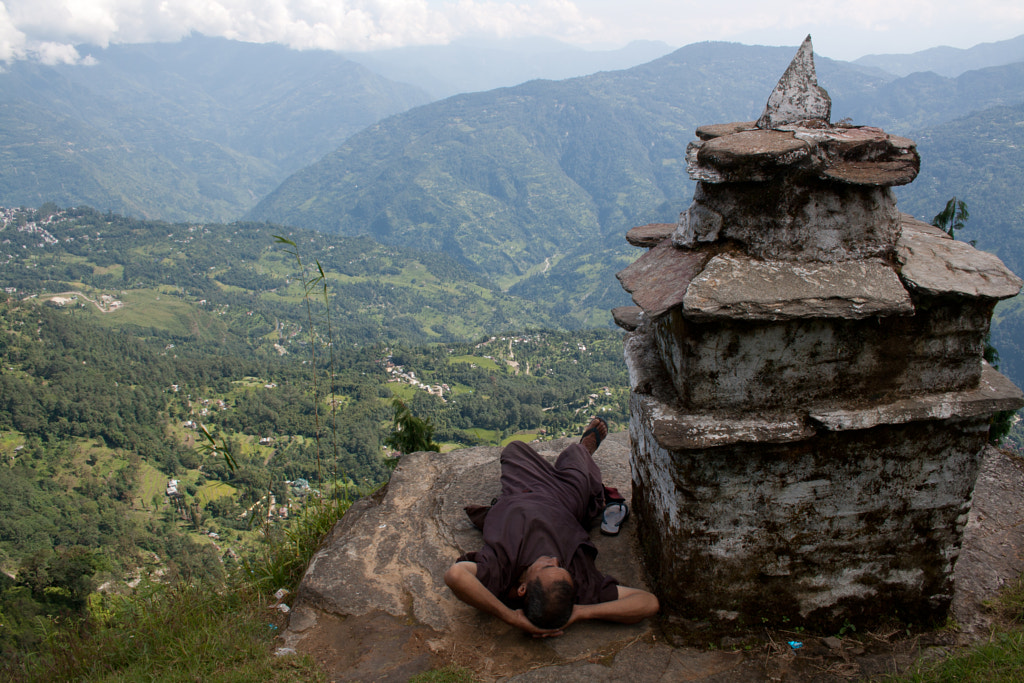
{"x": 520, "y": 621}
{"x": 461, "y": 578}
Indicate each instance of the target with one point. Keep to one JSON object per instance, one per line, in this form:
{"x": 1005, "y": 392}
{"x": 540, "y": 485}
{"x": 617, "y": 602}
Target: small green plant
{"x": 411, "y": 434}
{"x": 211, "y": 447}
{"x": 447, "y": 674}
{"x": 284, "y": 558}
{"x": 953, "y": 217}
{"x": 847, "y": 627}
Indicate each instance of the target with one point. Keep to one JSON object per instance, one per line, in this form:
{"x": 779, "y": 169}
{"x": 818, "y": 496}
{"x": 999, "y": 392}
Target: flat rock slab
{"x": 658, "y": 279}
{"x": 941, "y": 266}
{"x": 753, "y": 155}
{"x": 382, "y": 568}
{"x": 741, "y": 288}
{"x": 993, "y": 548}
{"x": 675, "y": 431}
{"x": 993, "y": 393}
{"x": 650, "y": 235}
{"x": 628, "y": 317}
{"x": 717, "y": 130}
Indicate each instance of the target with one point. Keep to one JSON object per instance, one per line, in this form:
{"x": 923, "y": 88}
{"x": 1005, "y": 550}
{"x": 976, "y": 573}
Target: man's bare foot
{"x": 594, "y": 434}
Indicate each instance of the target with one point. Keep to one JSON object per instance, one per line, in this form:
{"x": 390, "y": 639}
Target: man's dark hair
{"x": 549, "y": 608}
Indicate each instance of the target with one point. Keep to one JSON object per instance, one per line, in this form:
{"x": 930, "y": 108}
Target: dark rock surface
{"x": 658, "y": 279}
{"x": 628, "y": 317}
{"x": 650, "y": 235}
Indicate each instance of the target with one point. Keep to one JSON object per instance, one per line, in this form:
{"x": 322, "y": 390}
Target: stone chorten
{"x": 809, "y": 402}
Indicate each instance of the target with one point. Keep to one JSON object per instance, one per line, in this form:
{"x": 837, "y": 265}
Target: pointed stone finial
{"x": 797, "y": 97}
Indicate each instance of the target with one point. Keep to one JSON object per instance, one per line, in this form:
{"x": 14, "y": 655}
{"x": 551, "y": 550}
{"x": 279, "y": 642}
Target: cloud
{"x": 12, "y": 41}
{"x": 48, "y": 29}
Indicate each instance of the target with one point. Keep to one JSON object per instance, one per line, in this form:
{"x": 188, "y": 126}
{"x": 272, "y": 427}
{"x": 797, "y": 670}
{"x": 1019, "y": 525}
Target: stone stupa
{"x": 809, "y": 402}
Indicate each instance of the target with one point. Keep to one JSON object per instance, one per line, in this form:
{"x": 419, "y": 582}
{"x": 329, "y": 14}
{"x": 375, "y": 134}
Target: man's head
{"x": 548, "y": 591}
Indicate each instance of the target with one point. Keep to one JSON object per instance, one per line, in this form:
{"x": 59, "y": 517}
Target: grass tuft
{"x": 447, "y": 674}
{"x": 998, "y": 660}
{"x": 286, "y": 555}
{"x": 184, "y": 632}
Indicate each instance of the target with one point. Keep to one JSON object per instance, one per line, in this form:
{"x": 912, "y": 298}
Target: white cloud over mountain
{"x": 48, "y": 30}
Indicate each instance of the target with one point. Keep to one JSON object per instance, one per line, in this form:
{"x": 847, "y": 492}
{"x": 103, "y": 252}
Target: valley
{"x": 221, "y": 263}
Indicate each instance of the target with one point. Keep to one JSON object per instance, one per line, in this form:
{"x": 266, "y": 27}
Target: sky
{"x": 49, "y": 30}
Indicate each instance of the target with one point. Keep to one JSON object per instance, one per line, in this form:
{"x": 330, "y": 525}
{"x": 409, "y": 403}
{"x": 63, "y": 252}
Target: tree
{"x": 411, "y": 434}
{"x": 953, "y": 217}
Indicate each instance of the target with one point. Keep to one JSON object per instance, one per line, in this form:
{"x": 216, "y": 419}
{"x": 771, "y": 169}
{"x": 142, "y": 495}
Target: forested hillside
{"x": 116, "y": 332}
{"x": 195, "y": 130}
{"x": 516, "y": 180}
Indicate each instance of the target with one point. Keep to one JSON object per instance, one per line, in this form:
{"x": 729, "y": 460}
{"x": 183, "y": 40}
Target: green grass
{"x": 116, "y": 271}
{"x": 213, "y": 490}
{"x": 188, "y": 631}
{"x": 448, "y": 674}
{"x": 183, "y": 632}
{"x": 485, "y": 363}
{"x": 526, "y": 436}
{"x": 485, "y": 435}
{"x": 151, "y": 482}
{"x": 151, "y": 308}
{"x": 284, "y": 559}
{"x": 402, "y": 390}
{"x": 1000, "y": 659}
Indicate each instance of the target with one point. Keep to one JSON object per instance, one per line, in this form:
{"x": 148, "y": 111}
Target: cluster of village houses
{"x": 7, "y": 216}
{"x": 398, "y": 373}
{"x": 300, "y": 487}
{"x": 105, "y": 302}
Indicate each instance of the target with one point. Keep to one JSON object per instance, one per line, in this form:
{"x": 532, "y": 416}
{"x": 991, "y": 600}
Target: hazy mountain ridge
{"x": 165, "y": 130}
{"x": 471, "y": 66}
{"x": 545, "y": 166}
{"x": 927, "y": 99}
{"x": 948, "y": 61}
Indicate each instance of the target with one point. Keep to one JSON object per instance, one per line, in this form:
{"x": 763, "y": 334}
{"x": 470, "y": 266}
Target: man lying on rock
{"x": 536, "y": 570}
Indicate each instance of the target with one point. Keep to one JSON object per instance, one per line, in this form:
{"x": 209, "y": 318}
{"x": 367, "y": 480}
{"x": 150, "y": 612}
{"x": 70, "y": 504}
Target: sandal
{"x": 614, "y": 515}
{"x": 595, "y": 432}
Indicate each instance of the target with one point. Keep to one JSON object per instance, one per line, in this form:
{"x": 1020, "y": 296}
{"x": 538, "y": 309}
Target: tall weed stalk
{"x": 286, "y": 555}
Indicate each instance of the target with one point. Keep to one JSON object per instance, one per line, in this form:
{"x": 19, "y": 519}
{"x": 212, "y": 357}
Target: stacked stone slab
{"x": 809, "y": 400}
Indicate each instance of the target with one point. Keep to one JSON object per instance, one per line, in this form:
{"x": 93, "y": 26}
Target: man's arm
{"x": 461, "y": 578}
{"x": 631, "y": 606}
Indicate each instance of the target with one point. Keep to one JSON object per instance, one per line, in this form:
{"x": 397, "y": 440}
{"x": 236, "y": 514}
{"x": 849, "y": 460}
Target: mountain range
{"x": 197, "y": 130}
{"x": 532, "y": 186}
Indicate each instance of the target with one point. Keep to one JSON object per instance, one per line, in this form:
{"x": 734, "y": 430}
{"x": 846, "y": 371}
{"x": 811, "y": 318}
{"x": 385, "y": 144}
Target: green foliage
{"x": 447, "y": 674}
{"x": 212, "y": 448}
{"x": 999, "y": 659}
{"x": 411, "y": 434}
{"x": 184, "y": 631}
{"x": 953, "y": 217}
{"x": 283, "y": 559}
